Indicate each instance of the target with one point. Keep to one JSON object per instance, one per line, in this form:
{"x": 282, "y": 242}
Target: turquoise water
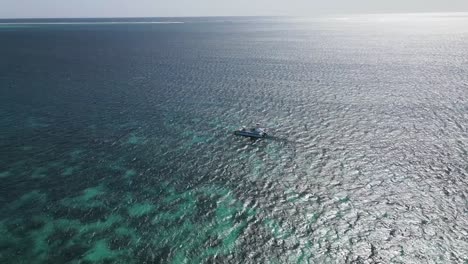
{"x": 116, "y": 143}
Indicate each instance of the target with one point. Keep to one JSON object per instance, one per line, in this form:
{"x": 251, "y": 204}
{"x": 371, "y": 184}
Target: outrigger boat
{"x": 256, "y": 132}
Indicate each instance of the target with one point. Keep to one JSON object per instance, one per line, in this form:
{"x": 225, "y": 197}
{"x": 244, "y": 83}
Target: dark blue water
{"x": 116, "y": 140}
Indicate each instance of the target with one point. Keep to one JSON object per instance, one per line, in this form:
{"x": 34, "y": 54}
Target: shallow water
{"x": 116, "y": 141}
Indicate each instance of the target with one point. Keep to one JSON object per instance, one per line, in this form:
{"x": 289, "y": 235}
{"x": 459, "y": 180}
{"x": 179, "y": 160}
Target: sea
{"x": 117, "y": 145}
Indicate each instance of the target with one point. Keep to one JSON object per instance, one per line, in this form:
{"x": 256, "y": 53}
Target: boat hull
{"x": 249, "y": 134}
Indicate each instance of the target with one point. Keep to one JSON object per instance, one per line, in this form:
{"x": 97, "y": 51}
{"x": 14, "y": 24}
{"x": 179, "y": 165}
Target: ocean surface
{"x": 116, "y": 141}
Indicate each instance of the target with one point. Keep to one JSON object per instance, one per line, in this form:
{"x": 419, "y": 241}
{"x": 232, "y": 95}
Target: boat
{"x": 255, "y": 132}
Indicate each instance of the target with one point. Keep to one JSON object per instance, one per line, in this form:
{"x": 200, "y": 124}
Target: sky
{"x": 177, "y": 8}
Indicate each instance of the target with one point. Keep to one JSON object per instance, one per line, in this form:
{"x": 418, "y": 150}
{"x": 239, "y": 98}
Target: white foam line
{"x": 86, "y": 23}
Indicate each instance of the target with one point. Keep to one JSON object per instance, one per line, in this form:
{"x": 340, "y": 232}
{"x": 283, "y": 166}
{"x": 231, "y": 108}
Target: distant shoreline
{"x": 382, "y": 17}
{"x": 91, "y": 23}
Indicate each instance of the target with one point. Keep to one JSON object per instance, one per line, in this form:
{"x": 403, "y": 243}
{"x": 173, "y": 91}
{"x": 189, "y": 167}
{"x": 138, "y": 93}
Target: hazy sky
{"x": 151, "y": 8}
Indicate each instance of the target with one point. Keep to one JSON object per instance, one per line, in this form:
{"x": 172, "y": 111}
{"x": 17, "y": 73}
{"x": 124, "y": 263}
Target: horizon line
{"x": 238, "y": 16}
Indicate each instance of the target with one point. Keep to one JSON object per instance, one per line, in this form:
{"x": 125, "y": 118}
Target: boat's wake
{"x": 282, "y": 140}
